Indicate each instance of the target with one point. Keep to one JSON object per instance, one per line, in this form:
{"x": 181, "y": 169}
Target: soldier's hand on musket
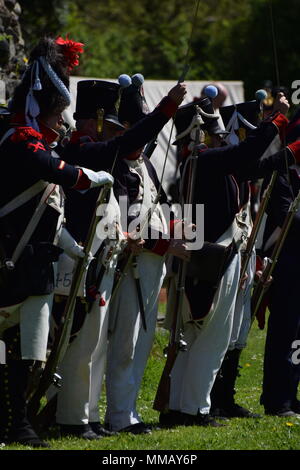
{"x": 281, "y": 103}
{"x": 243, "y": 281}
{"x": 135, "y": 243}
{"x": 180, "y": 249}
{"x": 268, "y": 281}
{"x": 71, "y": 247}
{"x": 177, "y": 93}
{"x": 261, "y": 265}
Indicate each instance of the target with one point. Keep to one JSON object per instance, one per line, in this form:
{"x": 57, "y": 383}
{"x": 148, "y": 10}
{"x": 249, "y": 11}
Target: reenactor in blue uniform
{"x": 84, "y": 363}
{"x": 133, "y": 311}
{"x": 100, "y": 155}
{"x": 240, "y": 120}
{"x": 30, "y": 223}
{"x": 208, "y": 326}
{"x": 281, "y": 373}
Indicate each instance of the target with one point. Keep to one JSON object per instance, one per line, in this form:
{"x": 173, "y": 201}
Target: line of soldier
{"x": 113, "y": 332}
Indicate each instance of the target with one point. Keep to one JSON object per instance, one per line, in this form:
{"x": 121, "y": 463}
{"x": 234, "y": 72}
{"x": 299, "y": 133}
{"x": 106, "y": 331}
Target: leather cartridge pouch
{"x": 33, "y": 272}
{"x": 210, "y": 263}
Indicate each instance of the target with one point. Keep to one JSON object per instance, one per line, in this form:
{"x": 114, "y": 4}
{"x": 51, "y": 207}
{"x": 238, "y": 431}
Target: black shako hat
{"x": 93, "y": 95}
{"x": 133, "y": 106}
{"x": 249, "y": 110}
{"x": 186, "y": 113}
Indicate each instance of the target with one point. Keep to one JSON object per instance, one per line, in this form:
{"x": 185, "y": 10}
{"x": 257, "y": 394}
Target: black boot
{"x": 296, "y": 406}
{"x": 177, "y": 418}
{"x": 80, "y": 431}
{"x": 15, "y": 426}
{"x": 171, "y": 418}
{"x": 222, "y": 394}
{"x": 100, "y": 430}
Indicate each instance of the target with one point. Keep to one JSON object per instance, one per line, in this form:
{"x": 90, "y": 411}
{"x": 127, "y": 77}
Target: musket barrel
{"x": 256, "y": 227}
{"x": 161, "y": 401}
{"x": 261, "y": 285}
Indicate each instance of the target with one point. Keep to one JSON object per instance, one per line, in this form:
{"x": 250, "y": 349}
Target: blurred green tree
{"x": 231, "y": 40}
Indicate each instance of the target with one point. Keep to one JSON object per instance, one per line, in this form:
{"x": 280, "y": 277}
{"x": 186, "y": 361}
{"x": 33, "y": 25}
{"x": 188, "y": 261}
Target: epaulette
{"x": 24, "y": 133}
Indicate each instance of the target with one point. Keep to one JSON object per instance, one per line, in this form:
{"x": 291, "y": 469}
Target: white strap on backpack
{"x": 21, "y": 199}
{"x": 26, "y": 195}
{"x": 33, "y": 223}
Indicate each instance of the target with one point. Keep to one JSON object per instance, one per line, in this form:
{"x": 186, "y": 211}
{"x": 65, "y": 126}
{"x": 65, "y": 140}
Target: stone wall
{"x": 12, "y": 56}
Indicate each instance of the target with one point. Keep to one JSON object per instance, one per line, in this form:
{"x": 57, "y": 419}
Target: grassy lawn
{"x": 267, "y": 433}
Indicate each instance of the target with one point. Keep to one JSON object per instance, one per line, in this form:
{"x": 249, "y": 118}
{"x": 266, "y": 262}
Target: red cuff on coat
{"x": 82, "y": 181}
{"x": 259, "y": 264}
{"x": 281, "y": 122}
{"x": 161, "y": 247}
{"x": 294, "y": 147}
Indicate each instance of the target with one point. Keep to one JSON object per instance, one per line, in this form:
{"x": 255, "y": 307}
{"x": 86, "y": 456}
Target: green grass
{"x": 267, "y": 433}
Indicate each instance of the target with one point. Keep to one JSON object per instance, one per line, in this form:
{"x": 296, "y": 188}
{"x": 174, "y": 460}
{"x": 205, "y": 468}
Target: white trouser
{"x": 33, "y": 316}
{"x": 129, "y": 344}
{"x": 83, "y": 365}
{"x": 195, "y": 370}
{"x": 242, "y": 312}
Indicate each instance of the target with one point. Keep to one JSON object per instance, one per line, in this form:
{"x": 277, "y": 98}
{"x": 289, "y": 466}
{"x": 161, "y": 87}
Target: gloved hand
{"x": 99, "y": 178}
{"x": 80, "y": 254}
{"x": 71, "y": 247}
